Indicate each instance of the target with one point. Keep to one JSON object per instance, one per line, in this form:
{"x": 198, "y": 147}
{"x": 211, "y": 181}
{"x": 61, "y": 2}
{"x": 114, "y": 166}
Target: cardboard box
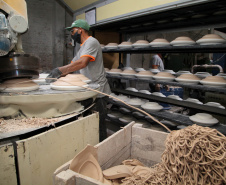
{"x": 132, "y": 141}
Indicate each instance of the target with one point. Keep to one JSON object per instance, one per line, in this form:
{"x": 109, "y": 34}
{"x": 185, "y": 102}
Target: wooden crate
{"x": 40, "y": 155}
{"x": 132, "y": 141}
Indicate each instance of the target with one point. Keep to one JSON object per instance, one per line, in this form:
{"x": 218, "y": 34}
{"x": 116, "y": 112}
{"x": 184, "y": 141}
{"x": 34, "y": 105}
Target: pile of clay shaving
{"x": 194, "y": 155}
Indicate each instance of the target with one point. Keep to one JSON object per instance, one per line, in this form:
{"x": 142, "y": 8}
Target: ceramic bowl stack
{"x": 111, "y": 46}
{"x": 164, "y": 76}
{"x": 159, "y": 43}
{"x": 128, "y": 73}
{"x": 169, "y": 71}
{"x": 136, "y": 102}
{"x": 188, "y": 79}
{"x": 132, "y": 89}
{"x": 121, "y": 97}
{"x": 211, "y": 39}
{"x": 203, "y": 119}
{"x": 138, "y": 69}
{"x": 193, "y": 100}
{"x": 141, "y": 44}
{"x": 144, "y": 91}
{"x": 125, "y": 45}
{"x": 114, "y": 72}
{"x": 158, "y": 94}
{"x": 215, "y": 104}
{"x": 151, "y": 107}
{"x": 222, "y": 75}
{"x": 154, "y": 71}
{"x": 202, "y": 75}
{"x": 178, "y": 73}
{"x": 182, "y": 41}
{"x": 146, "y": 75}
{"x": 175, "y": 97}
{"x": 214, "y": 81}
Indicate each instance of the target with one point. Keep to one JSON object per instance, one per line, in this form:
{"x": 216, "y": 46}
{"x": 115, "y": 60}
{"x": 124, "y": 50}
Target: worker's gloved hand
{"x": 55, "y": 73}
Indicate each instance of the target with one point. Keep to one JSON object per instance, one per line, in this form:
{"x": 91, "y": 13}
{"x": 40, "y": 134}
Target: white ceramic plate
{"x": 127, "y": 75}
{"x": 139, "y": 69}
{"x": 182, "y": 43}
{"x": 154, "y": 108}
{"x": 166, "y": 79}
{"x": 210, "y": 41}
{"x": 186, "y": 81}
{"x": 192, "y": 100}
{"x": 39, "y": 81}
{"x": 131, "y": 89}
{"x": 140, "y": 45}
{"x": 67, "y": 88}
{"x": 169, "y": 71}
{"x": 213, "y": 84}
{"x": 113, "y": 73}
{"x": 215, "y": 104}
{"x": 144, "y": 91}
{"x": 207, "y": 122}
{"x": 158, "y": 94}
{"x": 175, "y": 97}
{"x": 159, "y": 44}
{"x": 125, "y": 46}
{"x": 145, "y": 77}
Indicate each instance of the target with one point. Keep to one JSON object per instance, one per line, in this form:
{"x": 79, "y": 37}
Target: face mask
{"x": 76, "y": 37}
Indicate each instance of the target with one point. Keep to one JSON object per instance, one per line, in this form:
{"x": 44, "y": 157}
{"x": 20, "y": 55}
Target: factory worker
{"x": 89, "y": 62}
{"x": 156, "y": 62}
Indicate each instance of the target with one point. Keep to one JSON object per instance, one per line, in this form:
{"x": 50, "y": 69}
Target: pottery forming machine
{"x": 13, "y": 23}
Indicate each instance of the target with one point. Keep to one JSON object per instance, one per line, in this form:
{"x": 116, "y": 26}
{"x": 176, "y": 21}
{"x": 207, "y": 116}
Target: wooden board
{"x": 147, "y": 145}
{"x": 39, "y": 156}
{"x": 7, "y": 165}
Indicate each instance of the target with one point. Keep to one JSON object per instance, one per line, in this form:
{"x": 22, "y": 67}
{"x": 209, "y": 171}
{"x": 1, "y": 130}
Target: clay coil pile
{"x": 194, "y": 155}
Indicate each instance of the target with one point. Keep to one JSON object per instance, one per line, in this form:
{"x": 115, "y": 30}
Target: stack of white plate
{"x": 215, "y": 104}
{"x": 202, "y": 75}
{"x": 203, "y": 119}
{"x": 141, "y": 44}
{"x": 146, "y": 75}
{"x": 182, "y": 41}
{"x": 111, "y": 46}
{"x": 178, "y": 73}
{"x": 136, "y": 102}
{"x": 175, "y": 97}
{"x": 144, "y": 91}
{"x": 125, "y": 45}
{"x": 131, "y": 89}
{"x": 114, "y": 72}
{"x": 159, "y": 43}
{"x": 158, "y": 94}
{"x": 152, "y": 107}
{"x": 164, "y": 76}
{"x": 169, "y": 71}
{"x": 193, "y": 100}
{"x": 122, "y": 97}
{"x": 211, "y": 39}
{"x": 138, "y": 69}
{"x": 154, "y": 71}
{"x": 128, "y": 73}
{"x": 188, "y": 79}
{"x": 214, "y": 81}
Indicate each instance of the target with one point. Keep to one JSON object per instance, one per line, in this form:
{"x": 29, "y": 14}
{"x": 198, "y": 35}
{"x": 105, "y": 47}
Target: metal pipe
{"x": 207, "y": 66}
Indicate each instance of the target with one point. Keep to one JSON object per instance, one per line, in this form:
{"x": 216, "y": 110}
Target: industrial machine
{"x": 13, "y": 23}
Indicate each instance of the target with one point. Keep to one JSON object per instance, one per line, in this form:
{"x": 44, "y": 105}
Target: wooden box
{"x": 132, "y": 141}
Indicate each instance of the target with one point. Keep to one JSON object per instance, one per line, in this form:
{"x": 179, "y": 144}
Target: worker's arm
{"x": 75, "y": 66}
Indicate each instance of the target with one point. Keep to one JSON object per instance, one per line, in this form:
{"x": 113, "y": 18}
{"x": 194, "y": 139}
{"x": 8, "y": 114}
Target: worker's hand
{"x": 54, "y": 74}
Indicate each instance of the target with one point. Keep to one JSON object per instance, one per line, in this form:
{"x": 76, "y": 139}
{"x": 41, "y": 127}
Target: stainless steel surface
{"x": 19, "y": 65}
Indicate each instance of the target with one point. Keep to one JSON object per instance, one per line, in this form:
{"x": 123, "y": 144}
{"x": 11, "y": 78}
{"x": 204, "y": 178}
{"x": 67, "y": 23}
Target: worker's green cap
{"x": 80, "y": 23}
